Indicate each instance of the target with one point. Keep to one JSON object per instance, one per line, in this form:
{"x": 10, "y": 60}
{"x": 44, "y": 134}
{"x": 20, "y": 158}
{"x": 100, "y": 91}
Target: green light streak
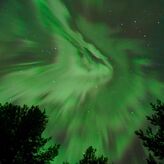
{"x": 91, "y": 83}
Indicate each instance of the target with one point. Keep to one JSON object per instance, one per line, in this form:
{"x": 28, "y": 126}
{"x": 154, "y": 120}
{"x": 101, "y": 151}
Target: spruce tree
{"x": 21, "y": 140}
{"x": 90, "y": 157}
{"x": 153, "y": 137}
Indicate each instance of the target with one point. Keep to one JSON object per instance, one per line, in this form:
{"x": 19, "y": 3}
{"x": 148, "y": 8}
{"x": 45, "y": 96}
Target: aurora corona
{"x": 90, "y": 81}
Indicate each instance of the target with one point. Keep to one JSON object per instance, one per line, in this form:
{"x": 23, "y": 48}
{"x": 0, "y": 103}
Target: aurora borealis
{"x": 94, "y": 65}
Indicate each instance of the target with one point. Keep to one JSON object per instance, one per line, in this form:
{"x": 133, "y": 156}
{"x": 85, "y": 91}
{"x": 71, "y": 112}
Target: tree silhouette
{"x": 89, "y": 157}
{"x": 21, "y": 140}
{"x": 153, "y": 138}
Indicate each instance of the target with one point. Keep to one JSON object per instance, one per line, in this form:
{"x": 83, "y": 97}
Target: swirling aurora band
{"x": 92, "y": 83}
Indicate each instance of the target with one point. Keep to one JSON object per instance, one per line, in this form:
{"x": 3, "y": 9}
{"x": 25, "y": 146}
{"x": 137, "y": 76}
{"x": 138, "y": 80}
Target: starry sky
{"x": 93, "y": 65}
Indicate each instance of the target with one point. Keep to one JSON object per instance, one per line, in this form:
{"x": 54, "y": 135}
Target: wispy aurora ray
{"x": 92, "y": 83}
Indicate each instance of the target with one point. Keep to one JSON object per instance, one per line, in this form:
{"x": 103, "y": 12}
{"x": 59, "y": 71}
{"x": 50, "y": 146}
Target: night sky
{"x": 94, "y": 65}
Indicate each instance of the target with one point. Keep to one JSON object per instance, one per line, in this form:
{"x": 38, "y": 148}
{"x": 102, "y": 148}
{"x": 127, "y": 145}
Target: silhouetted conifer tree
{"x": 153, "y": 138}
{"x": 89, "y": 157}
{"x": 21, "y": 140}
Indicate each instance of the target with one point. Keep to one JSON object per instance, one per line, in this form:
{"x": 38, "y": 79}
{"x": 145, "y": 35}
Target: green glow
{"x": 91, "y": 82}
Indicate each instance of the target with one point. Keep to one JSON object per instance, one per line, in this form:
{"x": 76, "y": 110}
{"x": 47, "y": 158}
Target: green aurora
{"x": 95, "y": 84}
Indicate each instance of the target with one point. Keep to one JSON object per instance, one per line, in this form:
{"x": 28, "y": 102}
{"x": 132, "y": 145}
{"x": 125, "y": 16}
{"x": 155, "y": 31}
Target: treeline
{"x": 21, "y": 140}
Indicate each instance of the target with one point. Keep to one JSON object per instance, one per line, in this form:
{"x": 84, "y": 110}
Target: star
{"x": 158, "y": 22}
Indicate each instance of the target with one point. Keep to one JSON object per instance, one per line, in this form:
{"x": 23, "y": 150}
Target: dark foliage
{"x": 89, "y": 157}
{"x": 66, "y": 162}
{"x": 21, "y": 140}
{"x": 153, "y": 138}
